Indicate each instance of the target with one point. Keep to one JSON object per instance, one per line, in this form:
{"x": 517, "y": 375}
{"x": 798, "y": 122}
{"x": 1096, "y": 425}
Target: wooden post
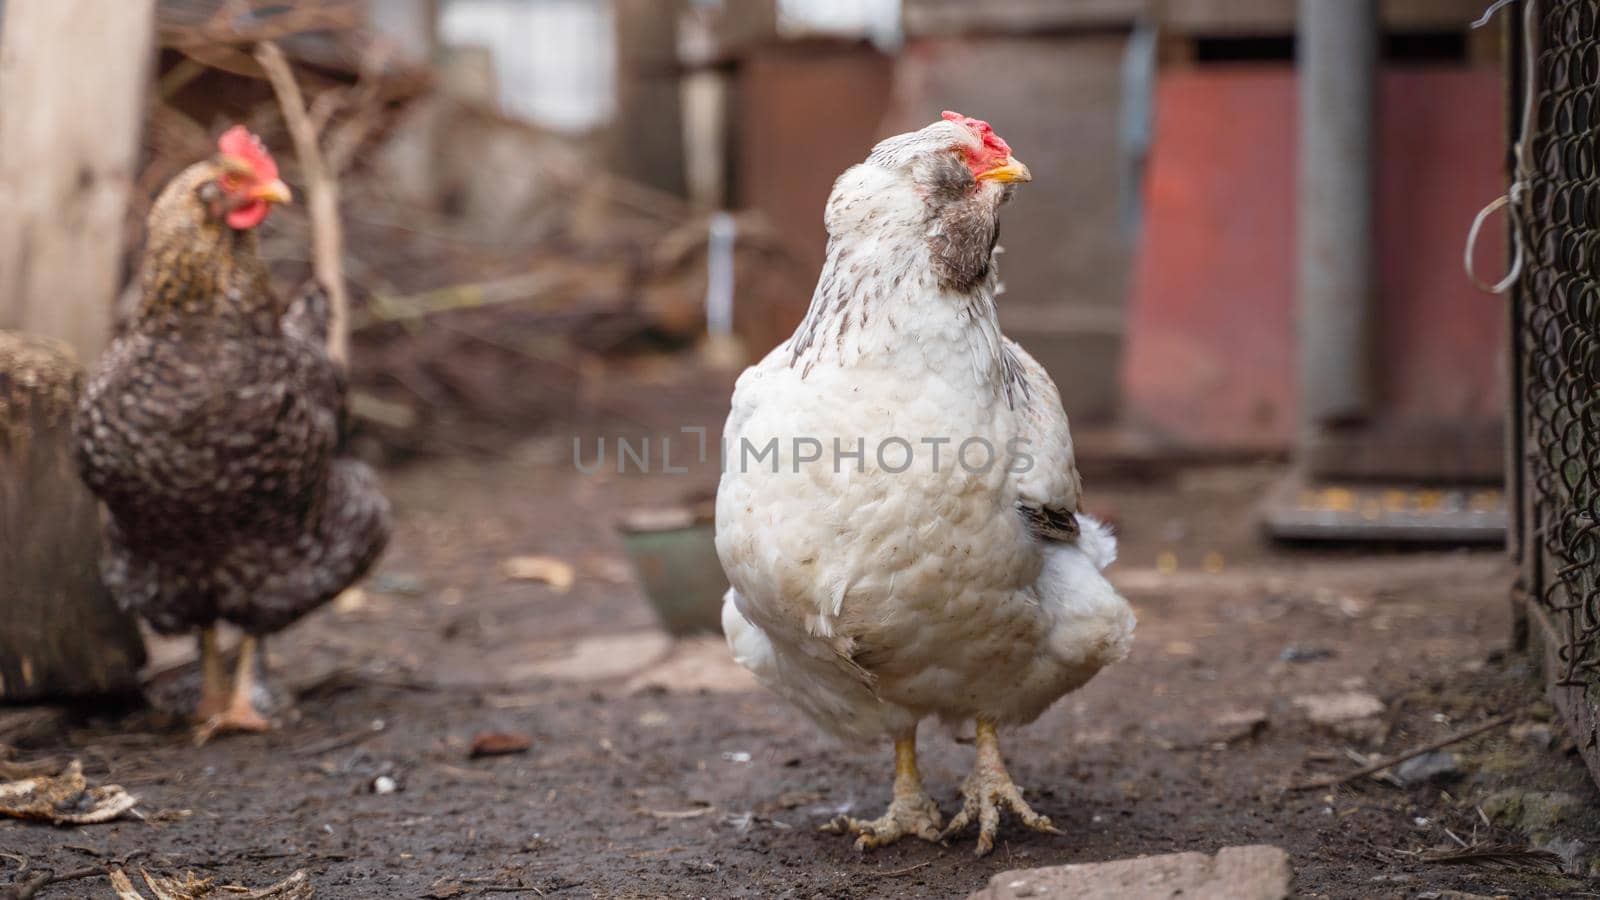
{"x": 61, "y": 634}
{"x": 72, "y": 92}
{"x": 647, "y": 138}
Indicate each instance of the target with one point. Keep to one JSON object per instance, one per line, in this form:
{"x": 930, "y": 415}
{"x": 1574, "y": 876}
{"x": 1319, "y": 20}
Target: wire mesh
{"x": 1561, "y": 329}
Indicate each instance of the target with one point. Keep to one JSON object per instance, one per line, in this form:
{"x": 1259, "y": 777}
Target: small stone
{"x": 1300, "y": 653}
{"x": 1237, "y": 724}
{"x": 1238, "y": 873}
{"x": 1536, "y": 733}
{"x": 1531, "y": 811}
{"x": 351, "y": 600}
{"x": 1437, "y": 767}
{"x": 1348, "y": 714}
{"x": 1331, "y": 709}
{"x": 1571, "y": 851}
{"x": 797, "y": 799}
{"x": 1178, "y": 648}
{"x": 695, "y": 665}
{"x": 497, "y": 743}
{"x": 1542, "y": 810}
{"x": 558, "y": 573}
{"x": 402, "y": 583}
{"x": 608, "y": 657}
{"x": 383, "y": 784}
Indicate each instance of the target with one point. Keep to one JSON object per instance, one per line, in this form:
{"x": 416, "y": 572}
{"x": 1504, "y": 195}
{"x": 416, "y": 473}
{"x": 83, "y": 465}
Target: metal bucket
{"x": 674, "y": 552}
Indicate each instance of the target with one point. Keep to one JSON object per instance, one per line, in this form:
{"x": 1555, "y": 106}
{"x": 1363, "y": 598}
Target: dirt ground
{"x": 660, "y": 770}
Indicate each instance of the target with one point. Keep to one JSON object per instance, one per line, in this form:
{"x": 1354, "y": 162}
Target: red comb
{"x": 993, "y": 142}
{"x": 239, "y": 143}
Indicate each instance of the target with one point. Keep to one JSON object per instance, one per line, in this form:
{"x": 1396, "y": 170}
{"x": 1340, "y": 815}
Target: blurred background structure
{"x": 538, "y": 196}
{"x": 537, "y": 192}
{"x": 1152, "y": 267}
{"x": 568, "y": 223}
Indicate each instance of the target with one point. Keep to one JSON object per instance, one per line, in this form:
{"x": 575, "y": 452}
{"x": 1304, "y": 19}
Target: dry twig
{"x": 1498, "y": 856}
{"x": 366, "y": 99}
{"x": 1398, "y": 758}
{"x": 906, "y": 871}
{"x": 322, "y": 199}
{"x": 226, "y": 26}
{"x": 339, "y": 742}
{"x": 29, "y": 887}
{"x": 530, "y": 286}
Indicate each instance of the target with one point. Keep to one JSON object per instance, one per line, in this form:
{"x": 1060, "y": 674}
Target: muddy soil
{"x": 658, "y": 770}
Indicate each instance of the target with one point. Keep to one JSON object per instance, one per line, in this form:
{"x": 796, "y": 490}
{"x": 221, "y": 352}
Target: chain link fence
{"x": 1558, "y": 353}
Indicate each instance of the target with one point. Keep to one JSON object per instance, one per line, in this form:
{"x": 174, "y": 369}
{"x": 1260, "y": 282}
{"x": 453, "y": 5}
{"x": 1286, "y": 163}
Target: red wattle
{"x": 243, "y": 218}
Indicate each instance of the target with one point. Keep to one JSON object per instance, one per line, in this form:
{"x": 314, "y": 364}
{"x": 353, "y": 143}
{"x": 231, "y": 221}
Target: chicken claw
{"x": 986, "y": 790}
{"x": 240, "y": 713}
{"x": 911, "y": 812}
{"x": 233, "y": 719}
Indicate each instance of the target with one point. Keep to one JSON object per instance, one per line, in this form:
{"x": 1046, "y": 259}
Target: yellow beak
{"x": 1012, "y": 170}
{"x": 274, "y": 191}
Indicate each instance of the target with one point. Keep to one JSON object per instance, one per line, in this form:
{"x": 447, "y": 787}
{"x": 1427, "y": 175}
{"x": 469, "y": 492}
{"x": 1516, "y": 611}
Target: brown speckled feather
{"x": 210, "y": 429}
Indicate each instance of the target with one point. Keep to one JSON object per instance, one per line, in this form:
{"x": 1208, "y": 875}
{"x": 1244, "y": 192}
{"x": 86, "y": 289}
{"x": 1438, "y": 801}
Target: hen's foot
{"x": 240, "y": 714}
{"x": 234, "y": 718}
{"x": 912, "y": 812}
{"x": 209, "y": 707}
{"x": 987, "y": 789}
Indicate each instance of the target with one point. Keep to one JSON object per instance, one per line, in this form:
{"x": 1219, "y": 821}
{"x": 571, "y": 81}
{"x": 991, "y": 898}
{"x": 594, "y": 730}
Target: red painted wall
{"x": 1211, "y": 345}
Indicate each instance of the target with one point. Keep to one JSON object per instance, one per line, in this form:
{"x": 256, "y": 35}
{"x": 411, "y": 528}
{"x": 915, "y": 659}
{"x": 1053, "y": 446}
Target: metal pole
{"x": 1338, "y": 56}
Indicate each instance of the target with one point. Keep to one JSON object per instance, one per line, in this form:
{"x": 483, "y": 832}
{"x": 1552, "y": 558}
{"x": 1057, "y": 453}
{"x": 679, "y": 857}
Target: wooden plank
{"x": 1579, "y": 713}
{"x": 72, "y": 81}
{"x": 1519, "y": 537}
{"x": 930, "y": 18}
{"x": 1211, "y": 18}
{"x": 1211, "y": 331}
{"x": 61, "y": 634}
{"x": 1066, "y": 264}
{"x": 647, "y": 133}
{"x": 1306, "y": 507}
{"x": 1221, "y": 18}
{"x": 1463, "y": 451}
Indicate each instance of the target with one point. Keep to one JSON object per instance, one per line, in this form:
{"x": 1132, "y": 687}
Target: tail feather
{"x": 750, "y": 645}
{"x": 309, "y": 313}
{"x": 345, "y": 536}
{"x": 829, "y": 695}
{"x": 1097, "y": 541}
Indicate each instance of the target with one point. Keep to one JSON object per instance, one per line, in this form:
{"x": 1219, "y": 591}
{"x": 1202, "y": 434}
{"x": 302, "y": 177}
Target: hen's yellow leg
{"x": 987, "y": 789}
{"x": 239, "y": 714}
{"x": 213, "y": 677}
{"x": 911, "y": 811}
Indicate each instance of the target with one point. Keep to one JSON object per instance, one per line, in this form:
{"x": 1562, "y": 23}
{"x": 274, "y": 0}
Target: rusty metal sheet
{"x": 1210, "y": 358}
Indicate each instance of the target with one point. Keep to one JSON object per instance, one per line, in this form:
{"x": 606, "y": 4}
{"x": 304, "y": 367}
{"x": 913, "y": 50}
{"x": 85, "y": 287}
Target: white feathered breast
{"x": 872, "y": 593}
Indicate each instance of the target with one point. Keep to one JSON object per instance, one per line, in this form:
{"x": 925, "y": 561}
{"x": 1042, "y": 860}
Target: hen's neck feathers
{"x": 887, "y": 296}
{"x": 200, "y": 275}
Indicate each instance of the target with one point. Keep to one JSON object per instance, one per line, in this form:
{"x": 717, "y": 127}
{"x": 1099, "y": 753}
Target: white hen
{"x": 898, "y": 513}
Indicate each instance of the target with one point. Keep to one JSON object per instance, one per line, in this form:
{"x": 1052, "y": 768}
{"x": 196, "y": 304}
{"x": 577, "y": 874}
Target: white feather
{"x": 872, "y": 599}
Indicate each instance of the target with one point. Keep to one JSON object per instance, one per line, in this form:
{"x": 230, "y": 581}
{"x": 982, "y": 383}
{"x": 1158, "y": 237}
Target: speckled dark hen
{"x": 211, "y": 430}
